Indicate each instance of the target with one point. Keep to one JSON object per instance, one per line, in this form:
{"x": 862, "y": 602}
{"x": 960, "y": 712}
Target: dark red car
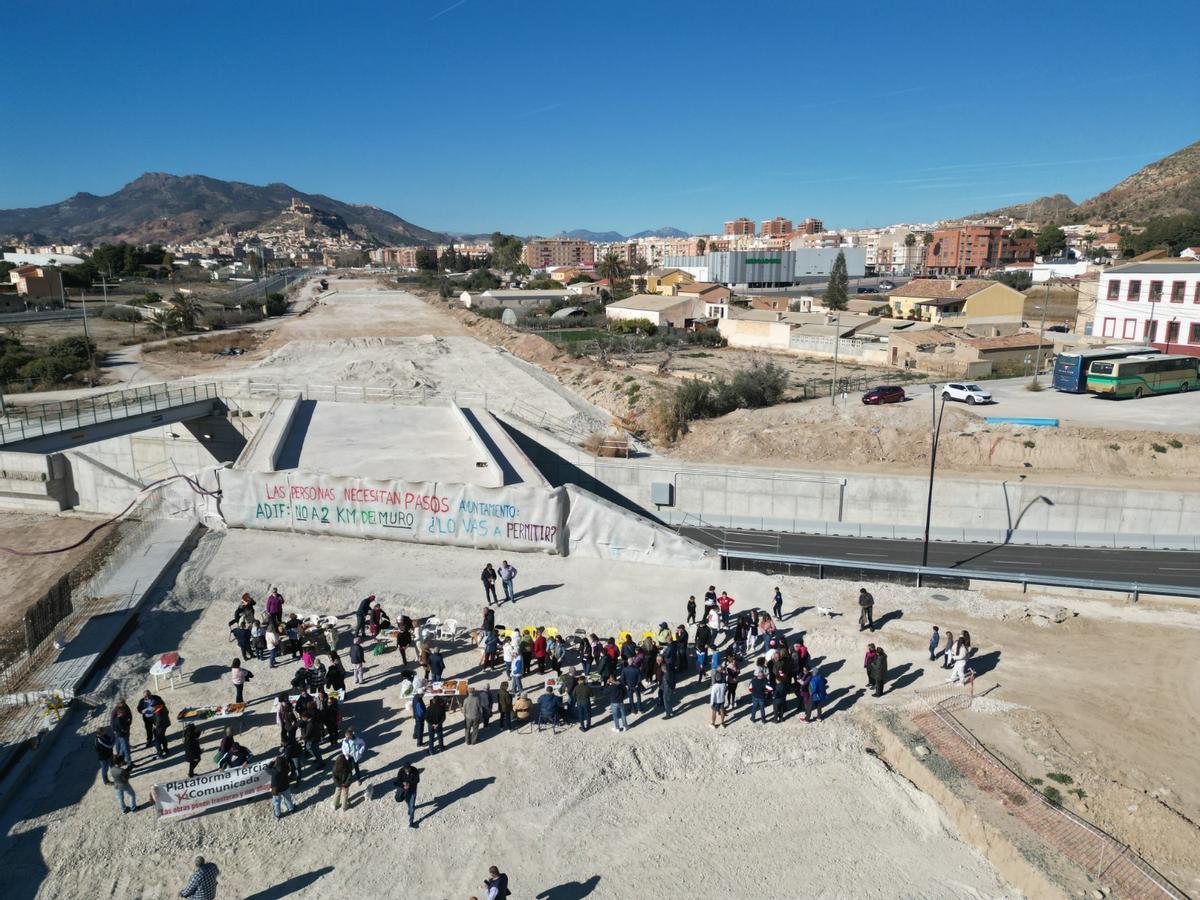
{"x": 886, "y": 393}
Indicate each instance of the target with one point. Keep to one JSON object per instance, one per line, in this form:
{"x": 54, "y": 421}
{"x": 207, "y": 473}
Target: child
{"x": 933, "y": 643}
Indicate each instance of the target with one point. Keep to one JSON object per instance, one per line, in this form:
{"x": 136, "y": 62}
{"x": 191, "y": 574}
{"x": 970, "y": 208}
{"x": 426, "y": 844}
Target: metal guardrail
{"x": 23, "y": 422}
{"x": 919, "y": 573}
{"x": 352, "y": 393}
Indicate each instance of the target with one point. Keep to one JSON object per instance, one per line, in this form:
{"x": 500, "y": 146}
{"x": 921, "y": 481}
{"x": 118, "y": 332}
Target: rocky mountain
{"x": 159, "y": 207}
{"x": 612, "y": 237}
{"x": 1168, "y": 187}
{"x": 1054, "y": 208}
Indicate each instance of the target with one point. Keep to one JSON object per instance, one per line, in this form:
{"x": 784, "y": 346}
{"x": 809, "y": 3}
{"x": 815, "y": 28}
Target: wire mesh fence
{"x": 1106, "y": 860}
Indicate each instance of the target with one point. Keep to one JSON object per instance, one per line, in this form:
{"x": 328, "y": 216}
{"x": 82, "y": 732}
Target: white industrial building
{"x": 769, "y": 268}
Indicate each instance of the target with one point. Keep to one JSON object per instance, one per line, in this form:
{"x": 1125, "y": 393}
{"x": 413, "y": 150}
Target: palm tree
{"x": 166, "y": 319}
{"x": 910, "y": 241}
{"x": 187, "y": 309}
{"x": 611, "y": 267}
{"x": 926, "y": 240}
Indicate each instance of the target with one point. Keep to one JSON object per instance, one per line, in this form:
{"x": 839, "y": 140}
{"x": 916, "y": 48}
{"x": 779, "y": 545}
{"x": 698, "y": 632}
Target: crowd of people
{"x": 740, "y": 659}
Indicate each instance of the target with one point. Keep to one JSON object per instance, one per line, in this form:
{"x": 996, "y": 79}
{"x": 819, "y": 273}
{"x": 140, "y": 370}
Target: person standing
{"x": 948, "y": 653}
{"x": 191, "y": 747}
{"x": 716, "y": 697}
{"x": 241, "y": 634}
{"x": 343, "y": 777}
{"x": 779, "y": 695}
{"x": 239, "y": 677}
{"x": 724, "y": 604}
{"x": 146, "y": 708}
{"x": 870, "y": 655}
{"x": 631, "y": 680}
{"x": 504, "y": 703}
{"x": 518, "y": 670}
{"x": 435, "y": 719}
{"x": 122, "y": 787}
{"x": 472, "y": 715}
{"x": 162, "y": 721}
{"x": 614, "y": 695}
{"x": 281, "y": 786}
{"x": 437, "y": 664}
{"x": 312, "y": 735}
{"x": 274, "y": 610}
{"x": 358, "y": 660}
{"x": 818, "y": 689}
{"x": 702, "y": 640}
{"x": 122, "y": 721}
{"x": 581, "y": 696}
{"x": 203, "y": 883}
{"x": 758, "y": 695}
{"x": 488, "y": 577}
{"x": 272, "y": 639}
{"x": 666, "y": 680}
{"x": 877, "y": 671}
{"x": 496, "y": 884}
{"x": 866, "y": 610}
{"x": 777, "y": 604}
{"x": 360, "y": 615}
{"x": 934, "y": 640}
{"x": 354, "y": 749}
{"x": 407, "y": 780}
{"x": 104, "y": 751}
{"x": 710, "y": 601}
{"x": 507, "y": 573}
{"x": 691, "y": 610}
{"x": 539, "y": 650}
{"x": 962, "y": 650}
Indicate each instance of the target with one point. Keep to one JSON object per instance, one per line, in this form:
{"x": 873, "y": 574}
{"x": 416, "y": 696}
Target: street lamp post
{"x": 935, "y": 433}
{"x": 1041, "y": 331}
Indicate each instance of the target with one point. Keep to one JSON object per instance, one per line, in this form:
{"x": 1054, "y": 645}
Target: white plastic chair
{"x": 448, "y": 629}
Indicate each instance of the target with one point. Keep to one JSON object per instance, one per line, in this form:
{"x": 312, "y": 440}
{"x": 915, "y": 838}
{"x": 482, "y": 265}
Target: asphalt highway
{"x": 1169, "y": 567}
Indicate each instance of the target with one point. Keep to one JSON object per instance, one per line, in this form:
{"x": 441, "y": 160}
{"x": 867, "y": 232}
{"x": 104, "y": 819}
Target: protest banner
{"x": 190, "y": 795}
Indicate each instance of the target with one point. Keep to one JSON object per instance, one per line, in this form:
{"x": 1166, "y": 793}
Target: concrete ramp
{"x": 603, "y": 530}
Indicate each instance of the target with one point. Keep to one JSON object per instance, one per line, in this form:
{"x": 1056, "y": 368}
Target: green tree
{"x": 611, "y": 267}
{"x": 701, "y": 246}
{"x": 926, "y": 240}
{"x": 253, "y": 262}
{"x": 166, "y": 319}
{"x": 188, "y": 310}
{"x": 276, "y": 305}
{"x": 837, "y": 293}
{"x": 1051, "y": 241}
{"x": 506, "y": 251}
{"x": 1018, "y": 281}
{"x": 1022, "y": 233}
{"x": 427, "y": 260}
{"x": 1175, "y": 233}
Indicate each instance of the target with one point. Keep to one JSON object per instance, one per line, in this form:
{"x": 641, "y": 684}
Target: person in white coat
{"x": 354, "y": 749}
{"x": 961, "y": 651}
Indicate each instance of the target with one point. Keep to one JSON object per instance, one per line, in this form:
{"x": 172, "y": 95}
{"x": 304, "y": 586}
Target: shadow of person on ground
{"x": 842, "y": 699}
{"x": 443, "y": 801}
{"x": 570, "y": 890}
{"x": 985, "y": 662}
{"x": 534, "y": 591}
{"x": 293, "y": 885}
{"x": 890, "y": 616}
{"x": 906, "y": 679}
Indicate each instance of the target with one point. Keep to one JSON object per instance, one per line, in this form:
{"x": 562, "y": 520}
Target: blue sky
{"x": 536, "y": 116}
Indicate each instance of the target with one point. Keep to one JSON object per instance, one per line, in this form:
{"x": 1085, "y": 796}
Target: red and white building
{"x": 1154, "y": 302}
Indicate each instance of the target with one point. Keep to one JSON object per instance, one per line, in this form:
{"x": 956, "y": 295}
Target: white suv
{"x": 971, "y": 393}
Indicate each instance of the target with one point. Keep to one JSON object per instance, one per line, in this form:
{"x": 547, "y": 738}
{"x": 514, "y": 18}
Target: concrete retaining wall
{"x": 34, "y": 481}
{"x": 875, "y": 505}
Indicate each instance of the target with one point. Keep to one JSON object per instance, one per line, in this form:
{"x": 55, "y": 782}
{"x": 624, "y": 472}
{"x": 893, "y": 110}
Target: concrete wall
{"x": 106, "y": 475}
{"x": 875, "y": 505}
{"x": 34, "y": 481}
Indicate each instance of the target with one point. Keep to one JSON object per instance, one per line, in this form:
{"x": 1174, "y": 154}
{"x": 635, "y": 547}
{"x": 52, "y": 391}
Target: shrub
{"x": 632, "y": 326}
{"x": 707, "y": 338}
{"x": 492, "y": 312}
{"x": 760, "y": 385}
{"x": 1034, "y": 386}
{"x": 1176, "y": 443}
{"x": 277, "y": 304}
{"x": 121, "y": 314}
{"x": 1114, "y": 446}
{"x": 1060, "y": 777}
{"x": 1029, "y": 445}
{"x": 1052, "y": 795}
{"x": 1158, "y": 448}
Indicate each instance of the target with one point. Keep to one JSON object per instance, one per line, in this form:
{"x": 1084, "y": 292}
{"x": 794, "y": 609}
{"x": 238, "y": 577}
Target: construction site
{"x": 376, "y": 442}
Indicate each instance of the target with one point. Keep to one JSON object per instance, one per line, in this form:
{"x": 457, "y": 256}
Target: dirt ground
{"x": 23, "y": 579}
{"x": 669, "y": 808}
{"x": 895, "y": 438}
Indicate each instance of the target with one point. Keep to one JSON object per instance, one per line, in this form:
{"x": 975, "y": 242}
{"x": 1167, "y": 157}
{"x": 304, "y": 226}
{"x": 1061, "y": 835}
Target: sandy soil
{"x": 672, "y": 808}
{"x": 895, "y": 437}
{"x": 23, "y": 579}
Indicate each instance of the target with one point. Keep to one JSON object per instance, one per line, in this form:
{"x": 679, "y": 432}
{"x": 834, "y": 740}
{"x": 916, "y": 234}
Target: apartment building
{"x": 541, "y": 253}
{"x": 1155, "y": 302}
{"x": 811, "y": 226}
{"x": 35, "y": 283}
{"x": 404, "y": 257}
{"x": 777, "y": 226}
{"x": 740, "y": 226}
{"x": 972, "y": 249}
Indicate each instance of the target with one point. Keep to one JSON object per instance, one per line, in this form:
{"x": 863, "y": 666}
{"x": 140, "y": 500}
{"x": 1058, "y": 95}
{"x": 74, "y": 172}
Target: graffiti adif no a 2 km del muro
{"x": 461, "y": 515}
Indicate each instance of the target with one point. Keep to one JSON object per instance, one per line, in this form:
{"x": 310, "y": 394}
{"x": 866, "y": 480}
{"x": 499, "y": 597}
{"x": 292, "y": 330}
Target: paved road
{"x": 1147, "y": 566}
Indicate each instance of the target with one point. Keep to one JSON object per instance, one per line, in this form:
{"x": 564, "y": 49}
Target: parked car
{"x": 887, "y": 285}
{"x": 885, "y": 393}
{"x": 965, "y": 391}
{"x": 868, "y": 290}
{"x": 1058, "y": 329}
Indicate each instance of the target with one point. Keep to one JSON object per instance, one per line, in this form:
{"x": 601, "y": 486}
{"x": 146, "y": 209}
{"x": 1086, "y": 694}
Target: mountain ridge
{"x": 160, "y": 207}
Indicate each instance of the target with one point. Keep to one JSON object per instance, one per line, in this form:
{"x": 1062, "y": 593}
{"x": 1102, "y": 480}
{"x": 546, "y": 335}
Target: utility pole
{"x": 935, "y": 433}
{"x": 1041, "y": 330}
{"x": 837, "y": 333}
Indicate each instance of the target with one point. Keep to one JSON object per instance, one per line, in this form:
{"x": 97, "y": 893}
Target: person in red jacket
{"x": 724, "y": 603}
{"x": 539, "y": 650}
